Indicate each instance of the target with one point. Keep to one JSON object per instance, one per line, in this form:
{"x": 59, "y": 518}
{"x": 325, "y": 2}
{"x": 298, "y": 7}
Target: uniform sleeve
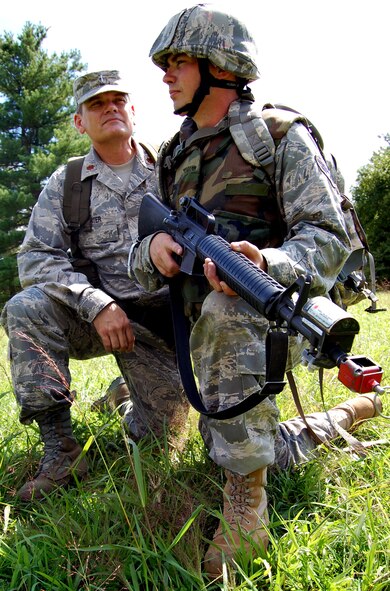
{"x": 43, "y": 258}
{"x": 141, "y": 267}
{"x": 317, "y": 242}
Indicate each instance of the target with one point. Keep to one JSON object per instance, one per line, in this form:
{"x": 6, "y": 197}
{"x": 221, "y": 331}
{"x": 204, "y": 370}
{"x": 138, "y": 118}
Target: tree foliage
{"x": 372, "y": 201}
{"x": 36, "y": 133}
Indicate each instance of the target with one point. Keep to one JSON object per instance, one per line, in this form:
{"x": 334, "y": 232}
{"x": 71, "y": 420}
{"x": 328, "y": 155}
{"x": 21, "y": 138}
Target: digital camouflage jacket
{"x": 43, "y": 258}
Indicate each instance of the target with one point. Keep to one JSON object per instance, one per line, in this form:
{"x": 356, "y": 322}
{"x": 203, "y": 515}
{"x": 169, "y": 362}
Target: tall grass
{"x": 142, "y": 519}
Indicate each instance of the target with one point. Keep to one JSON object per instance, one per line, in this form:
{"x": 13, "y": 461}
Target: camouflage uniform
{"x": 50, "y": 321}
{"x": 291, "y": 212}
{"x": 228, "y": 338}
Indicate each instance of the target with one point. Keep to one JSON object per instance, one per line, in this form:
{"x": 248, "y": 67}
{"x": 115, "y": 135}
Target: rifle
{"x": 329, "y": 330}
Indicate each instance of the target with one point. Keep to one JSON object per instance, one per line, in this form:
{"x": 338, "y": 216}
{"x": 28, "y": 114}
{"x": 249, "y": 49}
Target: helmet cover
{"x": 204, "y": 32}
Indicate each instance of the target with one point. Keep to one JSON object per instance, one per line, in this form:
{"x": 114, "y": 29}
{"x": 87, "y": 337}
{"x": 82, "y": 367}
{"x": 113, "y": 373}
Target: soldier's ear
{"x": 221, "y": 74}
{"x": 78, "y": 123}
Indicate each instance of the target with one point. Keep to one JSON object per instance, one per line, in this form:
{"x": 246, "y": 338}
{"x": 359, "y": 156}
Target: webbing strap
{"x": 204, "y": 133}
{"x": 276, "y": 357}
{"x": 76, "y": 194}
{"x": 294, "y": 391}
{"x": 354, "y": 444}
{"x": 252, "y": 137}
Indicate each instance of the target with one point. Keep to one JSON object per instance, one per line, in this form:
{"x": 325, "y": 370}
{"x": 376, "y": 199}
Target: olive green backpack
{"x": 257, "y": 138}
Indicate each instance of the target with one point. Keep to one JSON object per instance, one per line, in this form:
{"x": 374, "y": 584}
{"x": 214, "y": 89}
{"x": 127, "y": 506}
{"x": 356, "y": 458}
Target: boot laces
{"x": 51, "y": 453}
{"x": 54, "y": 456}
{"x": 241, "y": 499}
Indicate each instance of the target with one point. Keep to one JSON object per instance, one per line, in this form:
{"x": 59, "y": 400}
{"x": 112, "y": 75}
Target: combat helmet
{"x": 208, "y": 34}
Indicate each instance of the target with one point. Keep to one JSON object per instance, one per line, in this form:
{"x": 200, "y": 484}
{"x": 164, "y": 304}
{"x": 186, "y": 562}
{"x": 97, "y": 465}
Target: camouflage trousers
{"x": 228, "y": 351}
{"x": 44, "y": 335}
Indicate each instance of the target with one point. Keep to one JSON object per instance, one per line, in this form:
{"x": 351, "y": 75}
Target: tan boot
{"x": 244, "y": 512}
{"x": 295, "y": 443}
{"x": 354, "y": 411}
{"x": 61, "y": 459}
{"x": 116, "y": 396}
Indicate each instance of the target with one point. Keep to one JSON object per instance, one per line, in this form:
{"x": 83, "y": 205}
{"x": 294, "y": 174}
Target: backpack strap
{"x": 77, "y": 195}
{"x": 257, "y": 135}
{"x": 251, "y": 136}
{"x": 77, "y": 192}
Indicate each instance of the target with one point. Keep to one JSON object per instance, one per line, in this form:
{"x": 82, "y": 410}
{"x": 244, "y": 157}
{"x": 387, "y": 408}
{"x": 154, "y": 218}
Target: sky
{"x": 328, "y": 59}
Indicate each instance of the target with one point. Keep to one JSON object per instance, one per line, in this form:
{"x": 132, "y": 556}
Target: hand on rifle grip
{"x": 164, "y": 252}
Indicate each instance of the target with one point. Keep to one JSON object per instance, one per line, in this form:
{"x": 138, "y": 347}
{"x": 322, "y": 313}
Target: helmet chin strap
{"x": 206, "y": 82}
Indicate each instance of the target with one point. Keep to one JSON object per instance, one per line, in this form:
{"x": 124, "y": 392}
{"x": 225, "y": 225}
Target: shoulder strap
{"x": 251, "y": 136}
{"x": 77, "y": 194}
{"x": 257, "y": 135}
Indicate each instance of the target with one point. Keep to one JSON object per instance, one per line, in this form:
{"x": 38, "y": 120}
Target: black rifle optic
{"x": 329, "y": 329}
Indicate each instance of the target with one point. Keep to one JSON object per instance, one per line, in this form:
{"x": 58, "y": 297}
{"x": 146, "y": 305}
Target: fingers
{"x": 244, "y": 247}
{"x": 210, "y": 272}
{"x": 114, "y": 329}
{"x": 122, "y": 341}
{"x": 251, "y": 252}
{"x": 163, "y": 250}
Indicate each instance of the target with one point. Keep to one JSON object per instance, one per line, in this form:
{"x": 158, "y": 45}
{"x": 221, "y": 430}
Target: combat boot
{"x": 297, "y": 438}
{"x": 60, "y": 461}
{"x": 244, "y": 514}
{"x": 352, "y": 412}
{"x": 117, "y": 396}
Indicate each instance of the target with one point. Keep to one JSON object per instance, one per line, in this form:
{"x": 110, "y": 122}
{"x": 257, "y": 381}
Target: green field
{"x": 142, "y": 519}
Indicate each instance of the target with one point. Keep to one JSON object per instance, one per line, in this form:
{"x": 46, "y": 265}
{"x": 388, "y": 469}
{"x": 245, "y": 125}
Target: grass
{"x": 142, "y": 519}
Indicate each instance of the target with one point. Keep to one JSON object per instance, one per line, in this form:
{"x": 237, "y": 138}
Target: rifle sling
{"x": 276, "y": 357}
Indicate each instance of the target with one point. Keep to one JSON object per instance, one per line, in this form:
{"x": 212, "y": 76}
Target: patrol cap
{"x": 93, "y": 83}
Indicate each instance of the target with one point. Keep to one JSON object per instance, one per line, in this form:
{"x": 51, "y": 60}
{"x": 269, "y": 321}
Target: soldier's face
{"x": 182, "y": 77}
{"x": 106, "y": 116}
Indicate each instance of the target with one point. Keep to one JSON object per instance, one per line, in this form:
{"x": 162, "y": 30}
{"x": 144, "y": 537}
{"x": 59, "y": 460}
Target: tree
{"x": 372, "y": 201}
{"x": 36, "y": 133}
